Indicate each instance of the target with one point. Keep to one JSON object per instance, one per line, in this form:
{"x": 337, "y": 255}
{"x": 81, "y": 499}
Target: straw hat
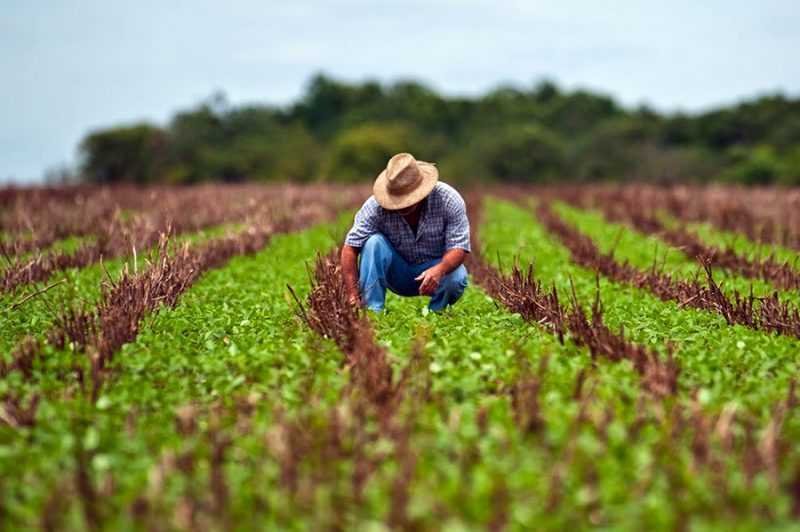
{"x": 404, "y": 182}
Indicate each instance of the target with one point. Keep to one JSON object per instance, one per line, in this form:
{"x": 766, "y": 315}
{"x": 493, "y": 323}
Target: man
{"x": 412, "y": 235}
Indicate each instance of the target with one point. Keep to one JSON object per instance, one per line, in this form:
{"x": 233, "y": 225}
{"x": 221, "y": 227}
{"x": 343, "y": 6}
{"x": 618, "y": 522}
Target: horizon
{"x": 151, "y": 62}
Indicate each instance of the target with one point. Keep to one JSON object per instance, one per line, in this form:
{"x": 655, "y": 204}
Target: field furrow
{"x": 524, "y": 294}
{"x": 121, "y": 236}
{"x": 232, "y": 334}
{"x": 767, "y": 313}
{"x": 124, "y": 302}
{"x": 644, "y": 251}
{"x": 763, "y": 214}
{"x": 740, "y": 243}
{"x": 728, "y": 361}
{"x": 592, "y": 375}
{"x": 617, "y": 206}
{"x": 27, "y": 314}
{"x": 488, "y": 394}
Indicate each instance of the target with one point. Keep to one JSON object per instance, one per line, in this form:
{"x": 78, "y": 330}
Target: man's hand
{"x": 430, "y": 279}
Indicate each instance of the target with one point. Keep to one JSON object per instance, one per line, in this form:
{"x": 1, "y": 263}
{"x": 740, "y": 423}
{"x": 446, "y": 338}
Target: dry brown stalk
{"x": 524, "y": 294}
{"x": 629, "y": 205}
{"x": 174, "y": 213}
{"x": 100, "y": 332}
{"x": 768, "y": 314}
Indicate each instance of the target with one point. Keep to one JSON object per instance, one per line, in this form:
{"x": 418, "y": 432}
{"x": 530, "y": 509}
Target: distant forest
{"x": 345, "y": 132}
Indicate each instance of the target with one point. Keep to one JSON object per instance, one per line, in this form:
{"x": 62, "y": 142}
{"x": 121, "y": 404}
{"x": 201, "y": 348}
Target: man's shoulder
{"x": 444, "y": 189}
{"x": 448, "y": 195}
{"x": 371, "y": 206}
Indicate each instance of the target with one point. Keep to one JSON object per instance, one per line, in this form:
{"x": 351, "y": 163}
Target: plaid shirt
{"x": 443, "y": 225}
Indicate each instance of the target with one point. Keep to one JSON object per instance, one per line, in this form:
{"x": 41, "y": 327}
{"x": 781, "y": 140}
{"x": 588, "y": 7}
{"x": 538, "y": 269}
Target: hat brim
{"x": 430, "y": 176}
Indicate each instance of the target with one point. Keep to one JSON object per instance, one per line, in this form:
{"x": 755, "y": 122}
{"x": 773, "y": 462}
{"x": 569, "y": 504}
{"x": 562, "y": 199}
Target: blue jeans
{"x": 382, "y": 267}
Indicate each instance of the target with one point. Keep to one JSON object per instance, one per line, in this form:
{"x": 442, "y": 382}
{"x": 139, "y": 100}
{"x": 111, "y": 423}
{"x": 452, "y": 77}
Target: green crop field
{"x": 624, "y": 358}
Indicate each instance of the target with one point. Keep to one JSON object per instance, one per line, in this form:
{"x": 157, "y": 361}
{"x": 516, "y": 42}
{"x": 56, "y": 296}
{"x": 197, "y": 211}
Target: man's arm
{"x": 365, "y": 225}
{"x": 456, "y": 242}
{"x": 349, "y": 260}
{"x": 431, "y": 277}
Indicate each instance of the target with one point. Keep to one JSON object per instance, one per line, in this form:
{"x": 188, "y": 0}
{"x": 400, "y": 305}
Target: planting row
{"x": 34, "y": 218}
{"x": 34, "y": 309}
{"x": 528, "y": 434}
{"x": 123, "y": 303}
{"x": 510, "y": 231}
{"x": 650, "y": 252}
{"x": 525, "y": 408}
{"x": 625, "y": 205}
{"x": 522, "y": 293}
{"x": 769, "y": 313}
{"x": 225, "y": 412}
{"x": 729, "y": 360}
{"x": 139, "y": 379}
{"x": 115, "y": 235}
{"x": 769, "y": 215}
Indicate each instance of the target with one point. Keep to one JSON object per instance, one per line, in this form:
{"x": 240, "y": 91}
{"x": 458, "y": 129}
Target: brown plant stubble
{"x": 767, "y": 313}
{"x": 173, "y": 212}
{"x": 101, "y": 331}
{"x": 523, "y": 293}
{"x": 627, "y": 205}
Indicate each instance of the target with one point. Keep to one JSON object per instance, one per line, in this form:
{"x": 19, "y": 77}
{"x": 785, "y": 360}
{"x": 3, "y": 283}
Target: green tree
{"x": 361, "y": 152}
{"x": 756, "y": 166}
{"x": 610, "y": 150}
{"x": 288, "y": 154}
{"x": 346, "y": 131}
{"x": 522, "y": 153}
{"x": 791, "y": 167}
{"x": 198, "y": 138}
{"x": 133, "y": 154}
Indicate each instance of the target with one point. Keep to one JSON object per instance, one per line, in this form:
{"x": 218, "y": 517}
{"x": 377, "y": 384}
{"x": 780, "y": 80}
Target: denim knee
{"x": 375, "y": 243}
{"x": 455, "y": 281}
{"x": 377, "y": 252}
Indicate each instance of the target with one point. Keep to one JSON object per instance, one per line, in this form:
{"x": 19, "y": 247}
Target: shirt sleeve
{"x": 364, "y": 225}
{"x": 457, "y": 224}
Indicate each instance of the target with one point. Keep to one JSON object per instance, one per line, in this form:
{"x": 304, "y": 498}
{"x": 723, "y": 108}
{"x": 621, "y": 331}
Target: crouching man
{"x": 412, "y": 236}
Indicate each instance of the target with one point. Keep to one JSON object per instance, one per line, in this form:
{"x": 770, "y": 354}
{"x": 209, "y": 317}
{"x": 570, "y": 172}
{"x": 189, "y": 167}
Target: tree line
{"x": 341, "y": 131}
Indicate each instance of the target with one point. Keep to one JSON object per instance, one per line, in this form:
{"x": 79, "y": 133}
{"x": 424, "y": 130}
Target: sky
{"x": 68, "y": 67}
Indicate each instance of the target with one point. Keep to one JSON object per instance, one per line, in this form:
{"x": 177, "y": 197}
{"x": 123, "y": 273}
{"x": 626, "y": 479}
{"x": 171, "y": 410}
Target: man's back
{"x": 443, "y": 225}
{"x": 411, "y": 237}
